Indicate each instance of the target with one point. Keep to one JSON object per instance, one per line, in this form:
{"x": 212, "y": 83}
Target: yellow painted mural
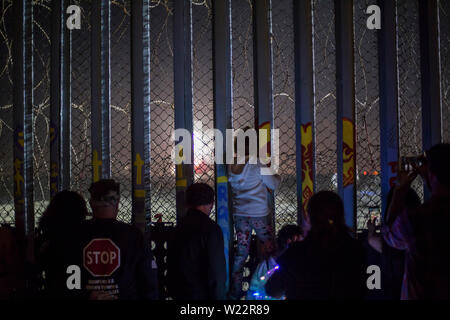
{"x": 348, "y": 152}
{"x": 307, "y": 164}
{"x": 264, "y": 140}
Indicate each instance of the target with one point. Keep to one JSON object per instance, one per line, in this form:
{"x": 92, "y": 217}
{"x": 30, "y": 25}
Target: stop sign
{"x": 101, "y": 257}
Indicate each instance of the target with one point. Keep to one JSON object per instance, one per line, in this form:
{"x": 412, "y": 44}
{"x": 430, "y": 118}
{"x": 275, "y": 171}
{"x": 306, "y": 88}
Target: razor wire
{"x": 6, "y": 113}
{"x": 325, "y": 117}
{"x": 162, "y": 178}
{"x": 284, "y": 110}
{"x": 162, "y": 113}
{"x": 121, "y": 164}
{"x": 368, "y": 182}
{"x": 409, "y": 83}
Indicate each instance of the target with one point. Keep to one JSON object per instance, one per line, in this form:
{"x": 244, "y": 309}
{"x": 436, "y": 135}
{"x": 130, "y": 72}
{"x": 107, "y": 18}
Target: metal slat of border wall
{"x": 223, "y": 115}
{"x": 345, "y": 86}
{"x": 55, "y": 96}
{"x": 304, "y": 104}
{"x": 60, "y": 106}
{"x": 66, "y": 102}
{"x": 23, "y": 119}
{"x": 101, "y": 89}
{"x": 140, "y": 104}
{"x": 262, "y": 44}
{"x": 41, "y": 106}
{"x": 183, "y": 96}
{"x": 387, "y": 47}
{"x": 429, "y": 53}
{"x": 444, "y": 39}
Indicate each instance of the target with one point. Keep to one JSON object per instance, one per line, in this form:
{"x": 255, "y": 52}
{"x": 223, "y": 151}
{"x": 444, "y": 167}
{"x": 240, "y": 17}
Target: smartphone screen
{"x": 375, "y": 215}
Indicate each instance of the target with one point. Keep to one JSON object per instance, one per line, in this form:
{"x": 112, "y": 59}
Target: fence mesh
{"x": 41, "y": 105}
{"x": 163, "y": 202}
{"x": 409, "y": 88}
{"x": 284, "y": 109}
{"x": 325, "y": 95}
{"x": 6, "y": 113}
{"x": 162, "y": 98}
{"x": 202, "y": 85}
{"x": 444, "y": 22}
{"x": 121, "y": 165}
{"x": 367, "y": 115}
{"x": 81, "y": 102}
{"x": 242, "y": 53}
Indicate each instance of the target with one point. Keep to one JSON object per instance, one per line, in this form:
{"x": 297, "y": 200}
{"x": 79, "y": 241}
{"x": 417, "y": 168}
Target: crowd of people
{"x": 319, "y": 259}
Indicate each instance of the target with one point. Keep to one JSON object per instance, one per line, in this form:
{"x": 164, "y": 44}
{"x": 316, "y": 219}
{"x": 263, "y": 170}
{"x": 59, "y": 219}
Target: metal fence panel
{"x": 368, "y": 169}
{"x": 325, "y": 95}
{"x": 408, "y": 55}
{"x": 242, "y": 44}
{"x": 202, "y": 86}
{"x": 81, "y": 102}
{"x": 6, "y": 112}
{"x": 41, "y": 106}
{"x": 284, "y": 109}
{"x": 444, "y": 35}
{"x": 162, "y": 111}
{"x": 121, "y": 165}
{"x": 162, "y": 179}
{"x": 304, "y": 105}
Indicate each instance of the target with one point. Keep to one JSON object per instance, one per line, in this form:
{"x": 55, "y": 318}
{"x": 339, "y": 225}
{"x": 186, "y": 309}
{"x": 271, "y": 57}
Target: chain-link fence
{"x": 368, "y": 183}
{"x": 202, "y": 88}
{"x": 121, "y": 165}
{"x": 284, "y": 109}
{"x": 242, "y": 54}
{"x": 41, "y": 105}
{"x": 409, "y": 82}
{"x": 162, "y": 168}
{"x": 6, "y": 112}
{"x": 325, "y": 94}
{"x": 81, "y": 103}
{"x": 162, "y": 179}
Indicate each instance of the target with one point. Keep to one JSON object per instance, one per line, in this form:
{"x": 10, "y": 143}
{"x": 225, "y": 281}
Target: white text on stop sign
{"x": 103, "y": 257}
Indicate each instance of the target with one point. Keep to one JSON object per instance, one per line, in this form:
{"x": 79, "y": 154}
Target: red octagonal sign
{"x": 101, "y": 257}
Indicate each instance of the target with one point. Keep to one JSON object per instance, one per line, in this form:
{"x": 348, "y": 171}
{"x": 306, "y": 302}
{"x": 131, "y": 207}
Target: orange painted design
{"x": 348, "y": 152}
{"x": 307, "y": 164}
{"x": 306, "y": 195}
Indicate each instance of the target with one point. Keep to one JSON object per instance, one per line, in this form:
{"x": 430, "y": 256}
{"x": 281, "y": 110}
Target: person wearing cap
{"x": 135, "y": 278}
{"x": 196, "y": 259}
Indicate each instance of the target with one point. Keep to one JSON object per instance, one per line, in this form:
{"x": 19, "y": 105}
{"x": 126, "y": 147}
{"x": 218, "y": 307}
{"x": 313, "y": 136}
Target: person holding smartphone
{"x": 423, "y": 232}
